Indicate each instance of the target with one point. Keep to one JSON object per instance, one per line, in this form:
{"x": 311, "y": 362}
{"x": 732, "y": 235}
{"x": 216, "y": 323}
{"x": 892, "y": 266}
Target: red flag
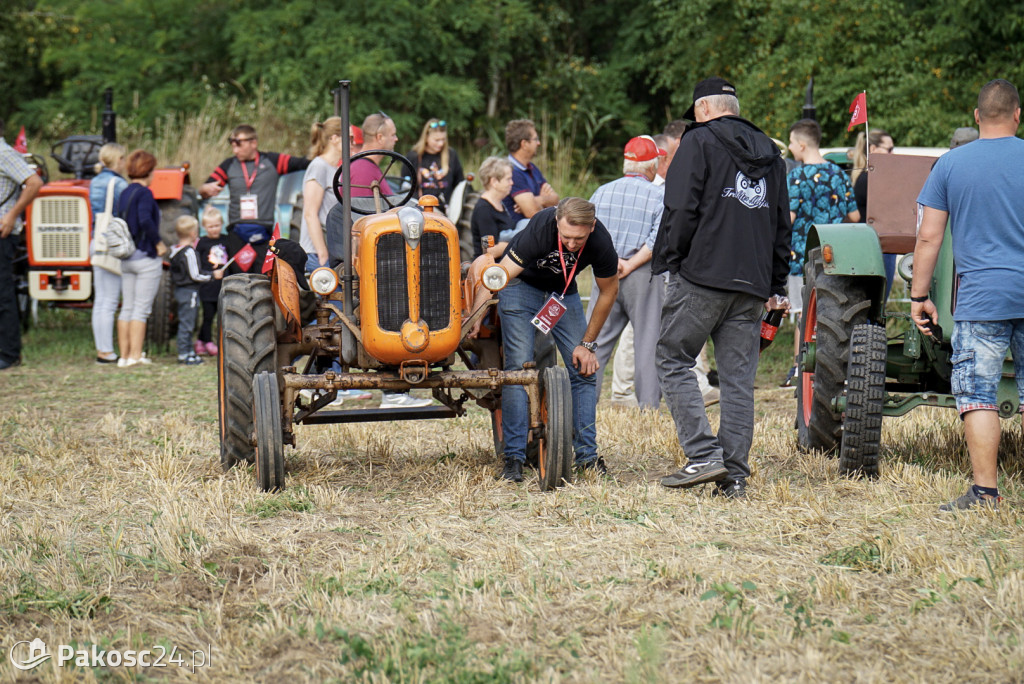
{"x": 245, "y": 257}
{"x": 268, "y": 262}
{"x": 20, "y": 143}
{"x": 858, "y": 111}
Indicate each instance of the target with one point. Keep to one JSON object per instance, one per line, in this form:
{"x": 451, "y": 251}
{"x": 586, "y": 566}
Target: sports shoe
{"x": 970, "y": 500}
{"x": 596, "y": 464}
{"x": 122, "y": 362}
{"x": 190, "y": 360}
{"x": 355, "y": 395}
{"x": 712, "y": 396}
{"x": 695, "y": 473}
{"x": 403, "y": 400}
{"x": 791, "y": 377}
{"x": 211, "y": 349}
{"x": 513, "y": 471}
{"x": 200, "y": 348}
{"x": 730, "y": 489}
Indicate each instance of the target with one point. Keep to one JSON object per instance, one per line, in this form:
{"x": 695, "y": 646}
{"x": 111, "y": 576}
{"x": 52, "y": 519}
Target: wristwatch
{"x": 589, "y": 346}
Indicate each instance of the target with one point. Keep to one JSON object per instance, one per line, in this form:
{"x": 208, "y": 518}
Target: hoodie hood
{"x": 752, "y": 150}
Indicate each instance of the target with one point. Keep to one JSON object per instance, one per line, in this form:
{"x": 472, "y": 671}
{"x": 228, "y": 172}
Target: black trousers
{"x": 10, "y": 327}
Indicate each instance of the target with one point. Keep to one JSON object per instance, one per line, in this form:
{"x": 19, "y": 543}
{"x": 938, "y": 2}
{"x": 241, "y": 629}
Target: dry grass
{"x": 395, "y": 556}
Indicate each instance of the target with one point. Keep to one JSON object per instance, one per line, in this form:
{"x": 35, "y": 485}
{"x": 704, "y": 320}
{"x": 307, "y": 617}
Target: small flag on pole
{"x": 268, "y": 261}
{"x": 858, "y": 111}
{"x": 21, "y": 143}
{"x": 245, "y": 257}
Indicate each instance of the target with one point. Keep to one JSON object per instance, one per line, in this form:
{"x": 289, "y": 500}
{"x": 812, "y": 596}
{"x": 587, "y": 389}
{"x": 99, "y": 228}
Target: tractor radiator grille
{"x": 435, "y": 286}
{"x": 60, "y": 229}
{"x": 392, "y": 293}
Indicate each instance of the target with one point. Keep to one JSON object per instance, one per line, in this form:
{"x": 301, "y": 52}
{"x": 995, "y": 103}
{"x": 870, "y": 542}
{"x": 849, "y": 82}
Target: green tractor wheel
{"x": 865, "y": 396}
{"x": 832, "y": 307}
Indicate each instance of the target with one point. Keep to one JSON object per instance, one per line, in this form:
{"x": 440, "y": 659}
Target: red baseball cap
{"x": 643, "y": 148}
{"x": 356, "y": 133}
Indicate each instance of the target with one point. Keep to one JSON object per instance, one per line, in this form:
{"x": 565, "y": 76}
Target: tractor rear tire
{"x": 466, "y": 246}
{"x": 556, "y": 458}
{"x": 248, "y": 346}
{"x": 865, "y": 397}
{"x": 266, "y": 411}
{"x": 832, "y": 307}
{"x": 163, "y": 319}
{"x": 172, "y": 209}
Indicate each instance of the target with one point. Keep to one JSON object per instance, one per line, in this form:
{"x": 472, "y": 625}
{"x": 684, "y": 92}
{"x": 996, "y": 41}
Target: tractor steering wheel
{"x": 78, "y": 167}
{"x": 375, "y": 186}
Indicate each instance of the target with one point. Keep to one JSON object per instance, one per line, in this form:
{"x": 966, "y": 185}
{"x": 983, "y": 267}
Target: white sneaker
{"x": 403, "y": 400}
{"x": 122, "y": 362}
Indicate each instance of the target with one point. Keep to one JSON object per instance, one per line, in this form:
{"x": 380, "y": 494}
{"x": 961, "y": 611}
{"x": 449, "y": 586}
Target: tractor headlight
{"x": 495, "y": 277}
{"x": 323, "y": 281}
{"x": 905, "y": 267}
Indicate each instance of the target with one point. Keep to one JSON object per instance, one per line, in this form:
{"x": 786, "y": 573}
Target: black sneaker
{"x": 597, "y": 465}
{"x": 695, "y": 473}
{"x": 791, "y": 378}
{"x": 513, "y": 471}
{"x": 731, "y": 489}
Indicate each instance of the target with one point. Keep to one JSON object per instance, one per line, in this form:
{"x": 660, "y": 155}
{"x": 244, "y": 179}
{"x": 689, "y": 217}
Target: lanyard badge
{"x": 248, "y": 205}
{"x": 555, "y": 307}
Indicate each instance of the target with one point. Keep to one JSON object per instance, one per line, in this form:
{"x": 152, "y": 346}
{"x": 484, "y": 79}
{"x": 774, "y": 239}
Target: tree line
{"x": 598, "y": 72}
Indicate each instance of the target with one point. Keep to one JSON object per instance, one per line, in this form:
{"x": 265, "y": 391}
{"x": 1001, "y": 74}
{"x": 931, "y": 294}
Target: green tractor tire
{"x": 832, "y": 307}
{"x": 865, "y": 398}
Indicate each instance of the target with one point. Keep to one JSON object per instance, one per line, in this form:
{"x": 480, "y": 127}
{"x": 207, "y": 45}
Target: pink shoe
{"x": 211, "y": 349}
{"x": 200, "y": 348}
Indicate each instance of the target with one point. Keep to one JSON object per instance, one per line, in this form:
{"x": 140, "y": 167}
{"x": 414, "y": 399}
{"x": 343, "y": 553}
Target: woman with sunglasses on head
{"x": 437, "y": 164}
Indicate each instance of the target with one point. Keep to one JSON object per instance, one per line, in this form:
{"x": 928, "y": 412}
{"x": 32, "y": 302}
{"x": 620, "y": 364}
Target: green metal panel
{"x": 941, "y": 289}
{"x": 855, "y": 248}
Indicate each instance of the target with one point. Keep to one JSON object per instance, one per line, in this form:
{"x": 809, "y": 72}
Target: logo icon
{"x": 750, "y": 193}
{"x": 37, "y": 654}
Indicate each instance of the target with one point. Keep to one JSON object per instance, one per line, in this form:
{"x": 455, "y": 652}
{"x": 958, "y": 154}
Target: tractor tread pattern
{"x": 249, "y": 347}
{"x": 842, "y": 304}
{"x": 865, "y": 398}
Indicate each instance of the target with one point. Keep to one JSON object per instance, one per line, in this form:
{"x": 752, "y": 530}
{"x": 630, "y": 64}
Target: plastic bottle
{"x": 770, "y": 326}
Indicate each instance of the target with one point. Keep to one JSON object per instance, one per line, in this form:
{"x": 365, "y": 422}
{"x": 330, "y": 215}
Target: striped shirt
{"x": 631, "y": 208}
{"x": 13, "y": 173}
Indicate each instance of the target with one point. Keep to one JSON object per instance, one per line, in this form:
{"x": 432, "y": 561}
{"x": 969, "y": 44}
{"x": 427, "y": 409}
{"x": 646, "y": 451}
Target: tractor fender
{"x": 855, "y": 251}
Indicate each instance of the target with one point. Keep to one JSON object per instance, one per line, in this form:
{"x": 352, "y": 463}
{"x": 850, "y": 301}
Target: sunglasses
{"x": 442, "y": 124}
{"x": 239, "y": 141}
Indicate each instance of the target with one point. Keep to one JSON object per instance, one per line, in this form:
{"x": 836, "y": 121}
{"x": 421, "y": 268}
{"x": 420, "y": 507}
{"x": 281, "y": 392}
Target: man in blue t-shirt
{"x": 531, "y": 191}
{"x": 979, "y": 189}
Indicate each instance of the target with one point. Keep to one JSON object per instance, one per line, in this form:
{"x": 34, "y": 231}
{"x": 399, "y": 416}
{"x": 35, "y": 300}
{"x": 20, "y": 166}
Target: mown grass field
{"x": 394, "y": 555}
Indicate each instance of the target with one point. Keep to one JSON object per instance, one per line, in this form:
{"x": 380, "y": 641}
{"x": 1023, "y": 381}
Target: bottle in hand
{"x": 770, "y": 326}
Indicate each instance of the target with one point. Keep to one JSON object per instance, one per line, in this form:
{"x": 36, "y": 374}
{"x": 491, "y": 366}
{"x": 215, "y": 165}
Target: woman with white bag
{"x": 104, "y": 195}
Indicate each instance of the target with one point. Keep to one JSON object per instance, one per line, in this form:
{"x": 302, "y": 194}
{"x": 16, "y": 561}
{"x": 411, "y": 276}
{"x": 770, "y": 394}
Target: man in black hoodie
{"x": 724, "y": 240}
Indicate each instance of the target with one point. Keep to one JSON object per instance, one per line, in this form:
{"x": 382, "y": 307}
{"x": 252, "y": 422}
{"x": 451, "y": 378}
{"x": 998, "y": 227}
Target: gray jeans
{"x": 188, "y": 307}
{"x": 690, "y": 315}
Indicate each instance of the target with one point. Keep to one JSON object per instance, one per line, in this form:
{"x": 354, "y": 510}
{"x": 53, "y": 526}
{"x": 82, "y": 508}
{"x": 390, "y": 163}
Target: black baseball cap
{"x": 715, "y": 85}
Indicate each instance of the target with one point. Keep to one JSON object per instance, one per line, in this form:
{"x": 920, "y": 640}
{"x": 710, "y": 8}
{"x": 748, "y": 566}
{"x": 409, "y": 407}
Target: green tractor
{"x": 851, "y": 372}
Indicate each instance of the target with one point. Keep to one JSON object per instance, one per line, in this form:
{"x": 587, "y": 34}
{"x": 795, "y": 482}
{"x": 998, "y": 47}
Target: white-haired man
{"x": 631, "y": 208}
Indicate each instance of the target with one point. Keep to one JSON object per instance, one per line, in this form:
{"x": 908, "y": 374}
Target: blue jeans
{"x": 979, "y": 348}
{"x": 517, "y": 305}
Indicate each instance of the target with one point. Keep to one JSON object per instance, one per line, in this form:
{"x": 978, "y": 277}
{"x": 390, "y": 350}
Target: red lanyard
{"x": 568, "y": 278}
{"x": 255, "y": 170}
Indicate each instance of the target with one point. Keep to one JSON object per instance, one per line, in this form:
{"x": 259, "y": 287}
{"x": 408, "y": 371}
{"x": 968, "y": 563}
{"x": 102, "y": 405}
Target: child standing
{"x": 214, "y": 245}
{"x": 187, "y": 276}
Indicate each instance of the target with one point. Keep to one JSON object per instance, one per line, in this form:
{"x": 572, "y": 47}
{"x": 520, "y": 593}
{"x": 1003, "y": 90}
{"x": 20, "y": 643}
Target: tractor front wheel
{"x": 248, "y": 346}
{"x": 832, "y": 307}
{"x": 555, "y": 457}
{"x": 865, "y": 396}
{"x": 266, "y": 413}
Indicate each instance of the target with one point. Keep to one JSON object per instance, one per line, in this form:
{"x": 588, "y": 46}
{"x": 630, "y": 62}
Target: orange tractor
{"x": 395, "y": 312}
{"x": 58, "y": 227}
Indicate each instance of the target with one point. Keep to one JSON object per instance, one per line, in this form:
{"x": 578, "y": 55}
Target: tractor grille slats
{"x": 60, "y": 228}
{"x": 434, "y": 283}
{"x": 435, "y": 286}
{"x": 392, "y": 293}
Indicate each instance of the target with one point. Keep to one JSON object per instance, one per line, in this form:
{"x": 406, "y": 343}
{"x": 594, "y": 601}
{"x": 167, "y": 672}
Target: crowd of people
{"x": 704, "y": 231}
